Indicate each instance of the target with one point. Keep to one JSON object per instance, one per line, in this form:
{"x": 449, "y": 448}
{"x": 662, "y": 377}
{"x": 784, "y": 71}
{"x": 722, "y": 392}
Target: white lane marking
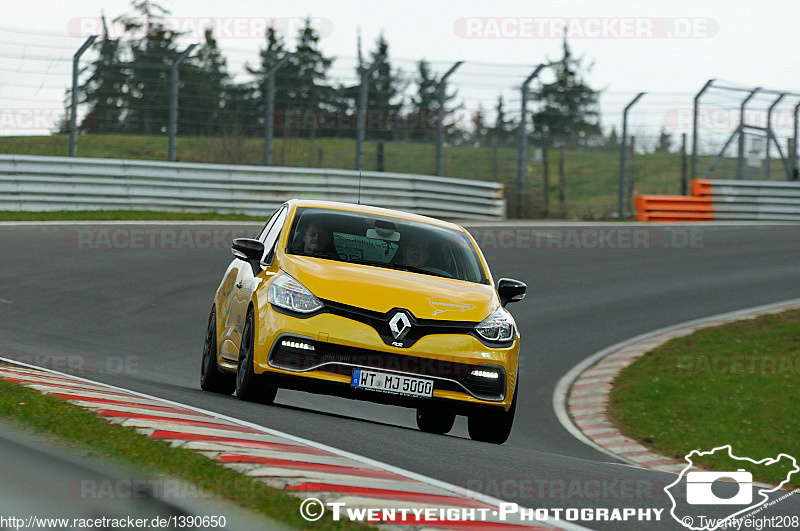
{"x": 561, "y": 392}
{"x": 5, "y": 301}
{"x": 455, "y": 489}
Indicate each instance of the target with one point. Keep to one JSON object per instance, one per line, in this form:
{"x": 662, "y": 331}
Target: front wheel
{"x": 435, "y": 420}
{"x": 250, "y": 386}
{"x": 211, "y": 378}
{"x": 493, "y": 427}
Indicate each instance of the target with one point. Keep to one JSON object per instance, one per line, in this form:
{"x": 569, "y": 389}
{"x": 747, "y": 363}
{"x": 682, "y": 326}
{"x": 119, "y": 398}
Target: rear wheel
{"x": 211, "y": 378}
{"x": 493, "y": 427}
{"x": 435, "y": 420}
{"x": 250, "y": 386}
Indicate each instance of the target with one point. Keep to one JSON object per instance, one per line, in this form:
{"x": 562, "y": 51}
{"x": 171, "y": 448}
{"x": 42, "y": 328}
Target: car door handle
{"x": 239, "y": 285}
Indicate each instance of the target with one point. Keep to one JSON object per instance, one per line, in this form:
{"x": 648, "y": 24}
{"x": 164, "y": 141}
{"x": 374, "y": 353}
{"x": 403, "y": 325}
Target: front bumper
{"x": 332, "y": 346}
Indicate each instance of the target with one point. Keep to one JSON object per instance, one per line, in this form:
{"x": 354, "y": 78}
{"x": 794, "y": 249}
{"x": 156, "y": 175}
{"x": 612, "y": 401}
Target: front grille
{"x": 380, "y": 322}
{"x": 342, "y": 360}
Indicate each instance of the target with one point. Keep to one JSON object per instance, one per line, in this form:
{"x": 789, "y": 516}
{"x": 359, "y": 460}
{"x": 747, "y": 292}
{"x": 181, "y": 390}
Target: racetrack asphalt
{"x": 132, "y": 313}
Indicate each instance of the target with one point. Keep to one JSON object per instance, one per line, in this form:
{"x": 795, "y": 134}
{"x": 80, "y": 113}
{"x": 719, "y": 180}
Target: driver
{"x": 317, "y": 240}
{"x": 416, "y": 252}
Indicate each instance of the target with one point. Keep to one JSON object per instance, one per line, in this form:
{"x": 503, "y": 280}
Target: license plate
{"x": 391, "y": 383}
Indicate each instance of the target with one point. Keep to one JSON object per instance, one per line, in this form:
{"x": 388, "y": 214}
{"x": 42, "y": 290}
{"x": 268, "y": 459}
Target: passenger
{"x": 318, "y": 240}
{"x": 416, "y": 252}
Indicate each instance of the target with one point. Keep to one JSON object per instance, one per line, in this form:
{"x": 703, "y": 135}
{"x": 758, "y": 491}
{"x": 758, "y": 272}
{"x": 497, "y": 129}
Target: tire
{"x": 211, "y": 378}
{"x": 492, "y": 427}
{"x": 250, "y": 386}
{"x": 435, "y": 420}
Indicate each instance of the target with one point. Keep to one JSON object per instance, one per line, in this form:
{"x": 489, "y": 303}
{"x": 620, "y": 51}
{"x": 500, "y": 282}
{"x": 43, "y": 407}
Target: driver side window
{"x": 263, "y": 232}
{"x": 271, "y": 234}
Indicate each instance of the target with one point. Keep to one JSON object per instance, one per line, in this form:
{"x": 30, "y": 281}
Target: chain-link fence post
{"x": 793, "y": 154}
{"x": 440, "y": 97}
{"x": 73, "y": 114}
{"x": 522, "y": 153}
{"x": 684, "y": 179}
{"x": 740, "y": 154}
{"x": 362, "y": 109}
{"x": 623, "y": 155}
{"x": 269, "y": 106}
{"x": 173, "y": 99}
{"x": 767, "y": 169}
{"x": 695, "y": 117}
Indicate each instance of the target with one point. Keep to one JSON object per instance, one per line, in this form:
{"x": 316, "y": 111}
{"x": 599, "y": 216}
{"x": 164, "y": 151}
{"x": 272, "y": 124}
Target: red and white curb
{"x": 582, "y": 395}
{"x": 298, "y": 466}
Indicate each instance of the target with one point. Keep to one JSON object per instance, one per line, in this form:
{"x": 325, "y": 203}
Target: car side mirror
{"x": 510, "y": 290}
{"x": 250, "y": 251}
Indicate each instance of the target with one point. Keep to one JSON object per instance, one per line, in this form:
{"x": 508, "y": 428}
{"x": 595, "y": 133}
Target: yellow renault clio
{"x": 371, "y": 304}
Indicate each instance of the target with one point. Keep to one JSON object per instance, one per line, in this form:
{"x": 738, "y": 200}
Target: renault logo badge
{"x": 399, "y": 325}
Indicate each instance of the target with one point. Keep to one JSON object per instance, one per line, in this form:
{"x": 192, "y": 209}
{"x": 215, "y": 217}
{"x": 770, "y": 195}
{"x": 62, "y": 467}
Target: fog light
{"x": 485, "y": 374}
{"x": 299, "y": 345}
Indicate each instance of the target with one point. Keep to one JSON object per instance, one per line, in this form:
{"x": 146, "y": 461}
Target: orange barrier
{"x": 701, "y": 187}
{"x": 674, "y": 207}
{"x": 734, "y": 199}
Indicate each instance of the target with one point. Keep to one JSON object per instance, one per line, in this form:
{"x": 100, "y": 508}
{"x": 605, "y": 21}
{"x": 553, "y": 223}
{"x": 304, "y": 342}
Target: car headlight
{"x": 286, "y": 292}
{"x": 499, "y": 326}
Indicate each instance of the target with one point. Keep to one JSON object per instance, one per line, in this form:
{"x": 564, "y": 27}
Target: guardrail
{"x": 29, "y": 183}
{"x": 725, "y": 200}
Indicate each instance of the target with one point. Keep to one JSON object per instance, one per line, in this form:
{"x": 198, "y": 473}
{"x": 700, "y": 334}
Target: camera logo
{"x": 734, "y": 493}
{"x": 698, "y": 488}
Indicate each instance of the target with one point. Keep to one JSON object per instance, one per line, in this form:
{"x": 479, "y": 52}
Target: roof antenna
{"x": 359, "y": 187}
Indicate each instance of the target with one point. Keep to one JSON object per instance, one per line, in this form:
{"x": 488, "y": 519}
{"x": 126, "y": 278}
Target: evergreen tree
{"x": 103, "y": 90}
{"x": 274, "y": 50}
{"x": 569, "y": 112}
{"x": 202, "y": 94}
{"x": 612, "y": 142}
{"x": 239, "y": 116}
{"x": 479, "y": 129}
{"x": 386, "y": 88}
{"x": 664, "y": 142}
{"x": 503, "y": 129}
{"x": 423, "y": 104}
{"x": 306, "y": 74}
{"x": 151, "y": 58}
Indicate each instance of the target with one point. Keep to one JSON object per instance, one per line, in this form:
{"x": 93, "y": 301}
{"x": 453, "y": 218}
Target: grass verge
{"x": 590, "y": 186}
{"x": 87, "y": 433}
{"x": 735, "y": 384}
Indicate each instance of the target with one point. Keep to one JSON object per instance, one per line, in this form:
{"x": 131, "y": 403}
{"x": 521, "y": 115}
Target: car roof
{"x": 378, "y": 211}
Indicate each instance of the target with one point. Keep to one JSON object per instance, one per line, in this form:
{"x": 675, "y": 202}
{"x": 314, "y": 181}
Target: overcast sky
{"x": 667, "y": 48}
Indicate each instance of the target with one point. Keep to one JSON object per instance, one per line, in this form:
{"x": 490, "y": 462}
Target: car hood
{"x": 379, "y": 289}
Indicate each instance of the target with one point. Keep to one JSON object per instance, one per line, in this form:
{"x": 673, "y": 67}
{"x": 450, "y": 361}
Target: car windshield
{"x": 384, "y": 242}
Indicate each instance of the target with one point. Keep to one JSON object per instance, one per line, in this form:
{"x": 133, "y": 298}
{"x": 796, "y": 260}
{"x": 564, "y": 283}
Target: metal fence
{"x": 61, "y": 183}
{"x": 752, "y": 200}
{"x": 472, "y": 127}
